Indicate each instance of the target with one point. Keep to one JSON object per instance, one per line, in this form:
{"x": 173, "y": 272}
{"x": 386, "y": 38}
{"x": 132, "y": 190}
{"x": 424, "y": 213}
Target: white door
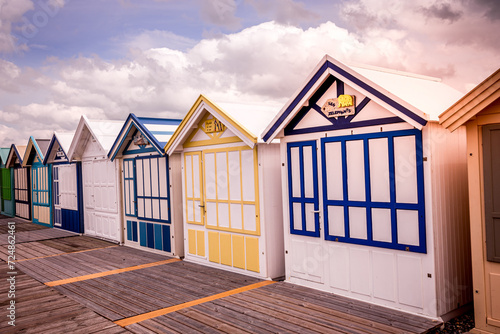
{"x": 100, "y": 199}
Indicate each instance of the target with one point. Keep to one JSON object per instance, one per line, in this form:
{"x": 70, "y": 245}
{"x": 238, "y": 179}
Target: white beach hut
{"x": 374, "y": 189}
{"x": 67, "y": 188}
{"x": 100, "y": 176}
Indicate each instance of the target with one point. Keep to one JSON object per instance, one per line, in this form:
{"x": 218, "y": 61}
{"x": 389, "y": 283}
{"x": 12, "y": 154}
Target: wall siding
{"x": 448, "y": 158}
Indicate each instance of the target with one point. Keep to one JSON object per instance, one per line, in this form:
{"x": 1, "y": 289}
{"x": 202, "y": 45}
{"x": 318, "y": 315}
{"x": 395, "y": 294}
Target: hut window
{"x": 129, "y": 187}
{"x": 373, "y": 191}
{"x": 303, "y": 188}
{"x": 40, "y": 185}
{"x": 151, "y": 174}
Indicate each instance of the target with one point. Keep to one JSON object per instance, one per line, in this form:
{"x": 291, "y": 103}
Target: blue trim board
{"x": 139, "y": 123}
{"x": 324, "y": 67}
{"x": 337, "y": 123}
{"x": 368, "y": 204}
{"x": 302, "y": 199}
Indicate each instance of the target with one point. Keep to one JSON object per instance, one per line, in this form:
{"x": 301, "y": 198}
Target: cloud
{"x": 150, "y": 39}
{"x": 220, "y": 13}
{"x": 284, "y": 11}
{"x": 11, "y": 11}
{"x": 442, "y": 11}
{"x": 262, "y": 64}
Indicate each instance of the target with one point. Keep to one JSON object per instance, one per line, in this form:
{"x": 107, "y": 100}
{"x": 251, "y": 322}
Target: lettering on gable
{"x": 344, "y": 105}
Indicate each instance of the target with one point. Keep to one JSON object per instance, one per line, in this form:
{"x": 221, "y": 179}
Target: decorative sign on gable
{"x": 344, "y": 105}
{"x": 214, "y": 125}
{"x": 59, "y": 154}
{"x": 139, "y": 140}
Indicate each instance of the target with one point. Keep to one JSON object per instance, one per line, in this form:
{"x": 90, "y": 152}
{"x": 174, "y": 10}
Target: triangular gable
{"x": 59, "y": 144}
{"x": 35, "y": 151}
{"x": 479, "y": 98}
{"x": 4, "y": 155}
{"x": 16, "y": 154}
{"x": 101, "y": 131}
{"x": 329, "y": 72}
{"x": 311, "y": 117}
{"x": 221, "y": 128}
{"x": 153, "y": 133}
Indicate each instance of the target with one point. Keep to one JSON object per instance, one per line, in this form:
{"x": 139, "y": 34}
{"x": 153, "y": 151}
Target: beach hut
{"x": 479, "y": 112}
{"x": 67, "y": 199}
{"x": 231, "y": 188}
{"x": 22, "y": 193}
{"x": 151, "y": 185}
{"x": 7, "y": 182}
{"x": 100, "y": 177}
{"x": 41, "y": 180}
{"x": 374, "y": 189}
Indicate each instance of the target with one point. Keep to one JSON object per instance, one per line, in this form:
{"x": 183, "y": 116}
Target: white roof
{"x": 253, "y": 117}
{"x": 427, "y": 94}
{"x": 64, "y": 139}
{"x": 105, "y": 131}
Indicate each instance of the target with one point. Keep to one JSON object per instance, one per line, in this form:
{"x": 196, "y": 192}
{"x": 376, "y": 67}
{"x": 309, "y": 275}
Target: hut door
{"x": 303, "y": 188}
{"x": 21, "y": 192}
{"x": 57, "y": 198}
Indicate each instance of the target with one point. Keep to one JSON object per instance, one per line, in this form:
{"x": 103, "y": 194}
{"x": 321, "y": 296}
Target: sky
{"x": 60, "y": 59}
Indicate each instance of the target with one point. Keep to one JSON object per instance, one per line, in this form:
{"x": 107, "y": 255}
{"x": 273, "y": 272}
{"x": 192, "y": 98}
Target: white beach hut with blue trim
{"x": 374, "y": 189}
{"x": 67, "y": 187}
{"x": 100, "y": 176}
{"x": 151, "y": 185}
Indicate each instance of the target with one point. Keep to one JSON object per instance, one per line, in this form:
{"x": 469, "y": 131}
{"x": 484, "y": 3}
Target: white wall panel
{"x": 339, "y": 267}
{"x": 308, "y": 172}
{"x": 336, "y": 224}
{"x": 379, "y": 170}
{"x": 334, "y": 175}
{"x": 405, "y": 169}
{"x": 407, "y": 227}
{"x": 381, "y": 225}
{"x": 360, "y": 267}
{"x": 357, "y": 223}
{"x": 410, "y": 280}
{"x": 355, "y": 170}
{"x": 384, "y": 267}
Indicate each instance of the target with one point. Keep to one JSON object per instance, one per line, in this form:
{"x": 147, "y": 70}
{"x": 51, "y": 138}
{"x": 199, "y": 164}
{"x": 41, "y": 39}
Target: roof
{"x": 4, "y": 154}
{"x": 480, "y": 97}
{"x": 414, "y": 98}
{"x": 103, "y": 131}
{"x": 246, "y": 121}
{"x": 15, "y": 151}
{"x": 64, "y": 141}
{"x": 36, "y": 147}
{"x": 156, "y": 130}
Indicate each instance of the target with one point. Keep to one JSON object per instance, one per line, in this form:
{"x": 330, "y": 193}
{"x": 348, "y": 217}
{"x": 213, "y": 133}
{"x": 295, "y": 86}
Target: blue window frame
{"x": 129, "y": 187}
{"x": 152, "y": 188}
{"x": 373, "y": 190}
{"x": 303, "y": 188}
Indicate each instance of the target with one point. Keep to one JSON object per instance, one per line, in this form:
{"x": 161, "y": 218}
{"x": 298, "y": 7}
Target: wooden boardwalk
{"x": 105, "y": 288}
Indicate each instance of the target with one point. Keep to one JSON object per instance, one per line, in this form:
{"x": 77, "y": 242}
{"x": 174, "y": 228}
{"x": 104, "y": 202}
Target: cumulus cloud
{"x": 163, "y": 82}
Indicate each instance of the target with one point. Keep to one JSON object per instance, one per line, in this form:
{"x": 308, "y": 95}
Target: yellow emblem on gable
{"x": 214, "y": 125}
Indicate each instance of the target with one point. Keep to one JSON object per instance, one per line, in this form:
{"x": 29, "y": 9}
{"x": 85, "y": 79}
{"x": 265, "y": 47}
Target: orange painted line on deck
{"x": 59, "y": 254}
{"x": 145, "y": 316}
{"x": 109, "y": 272}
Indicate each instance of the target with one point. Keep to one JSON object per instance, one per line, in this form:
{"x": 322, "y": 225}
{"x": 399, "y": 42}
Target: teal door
{"x": 41, "y": 194}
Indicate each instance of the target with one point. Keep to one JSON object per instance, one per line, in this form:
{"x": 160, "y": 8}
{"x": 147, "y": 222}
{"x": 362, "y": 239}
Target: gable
{"x": 314, "y": 116}
{"x": 136, "y": 142}
{"x": 55, "y": 153}
{"x": 368, "y": 92}
{"x": 210, "y": 131}
{"x": 92, "y": 148}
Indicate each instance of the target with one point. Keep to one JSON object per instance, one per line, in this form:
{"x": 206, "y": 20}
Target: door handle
{"x": 201, "y": 206}
{"x": 316, "y": 211}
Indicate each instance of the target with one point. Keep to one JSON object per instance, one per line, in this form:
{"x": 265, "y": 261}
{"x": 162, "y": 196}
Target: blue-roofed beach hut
{"x": 151, "y": 185}
{"x": 41, "y": 180}
{"x": 67, "y": 199}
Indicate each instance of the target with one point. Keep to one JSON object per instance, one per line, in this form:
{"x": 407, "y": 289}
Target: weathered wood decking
{"x": 150, "y": 293}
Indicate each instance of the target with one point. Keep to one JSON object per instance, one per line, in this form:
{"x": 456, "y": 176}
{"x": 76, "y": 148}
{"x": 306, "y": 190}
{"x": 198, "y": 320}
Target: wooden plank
{"x": 211, "y": 322}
